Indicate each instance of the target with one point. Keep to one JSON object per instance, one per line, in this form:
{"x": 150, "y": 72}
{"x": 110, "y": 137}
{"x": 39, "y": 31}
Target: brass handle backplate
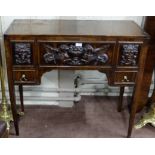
{"x": 23, "y": 78}
{"x": 125, "y": 79}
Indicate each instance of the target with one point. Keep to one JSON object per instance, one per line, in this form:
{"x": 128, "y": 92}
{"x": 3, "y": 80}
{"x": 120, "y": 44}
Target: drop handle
{"x": 23, "y": 78}
{"x": 125, "y": 79}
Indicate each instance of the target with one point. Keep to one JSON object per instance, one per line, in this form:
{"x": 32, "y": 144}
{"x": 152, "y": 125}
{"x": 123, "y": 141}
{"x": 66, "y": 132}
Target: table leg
{"x": 131, "y": 121}
{"x": 120, "y": 103}
{"x": 136, "y": 101}
{"x": 141, "y": 90}
{"x": 21, "y": 97}
{"x": 11, "y": 86}
{"x": 13, "y": 106}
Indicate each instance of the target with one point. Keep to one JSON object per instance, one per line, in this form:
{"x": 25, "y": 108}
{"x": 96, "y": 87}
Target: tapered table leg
{"x": 141, "y": 89}
{"x": 13, "y": 107}
{"x": 11, "y": 86}
{"x": 131, "y": 122}
{"x": 21, "y": 97}
{"x": 120, "y": 103}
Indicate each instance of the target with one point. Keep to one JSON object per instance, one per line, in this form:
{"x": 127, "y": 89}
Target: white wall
{"x": 42, "y": 94}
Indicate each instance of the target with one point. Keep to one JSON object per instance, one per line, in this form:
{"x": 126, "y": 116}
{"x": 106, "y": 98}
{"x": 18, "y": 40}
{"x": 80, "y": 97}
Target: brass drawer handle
{"x": 23, "y": 78}
{"x": 125, "y": 79}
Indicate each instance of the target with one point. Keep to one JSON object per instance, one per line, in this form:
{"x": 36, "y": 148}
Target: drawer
{"x": 24, "y": 76}
{"x": 127, "y": 77}
{"x": 76, "y": 54}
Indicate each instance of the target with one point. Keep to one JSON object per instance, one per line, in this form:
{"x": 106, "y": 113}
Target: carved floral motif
{"x": 129, "y": 54}
{"x": 75, "y": 55}
{"x": 22, "y": 53}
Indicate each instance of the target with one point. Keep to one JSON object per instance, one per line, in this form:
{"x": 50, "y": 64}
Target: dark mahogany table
{"x": 116, "y": 48}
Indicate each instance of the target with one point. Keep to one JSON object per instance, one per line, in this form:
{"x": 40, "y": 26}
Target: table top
{"x": 75, "y": 28}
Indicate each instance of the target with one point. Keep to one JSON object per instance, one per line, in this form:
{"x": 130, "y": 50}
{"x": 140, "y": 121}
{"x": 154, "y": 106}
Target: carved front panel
{"x": 129, "y": 54}
{"x": 22, "y": 53}
{"x": 75, "y": 54}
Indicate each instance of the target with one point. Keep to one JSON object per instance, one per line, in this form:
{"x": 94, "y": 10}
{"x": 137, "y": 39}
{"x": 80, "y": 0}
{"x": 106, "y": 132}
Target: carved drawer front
{"x": 75, "y": 54}
{"x": 125, "y": 77}
{"x": 24, "y": 77}
{"x": 129, "y": 54}
{"x": 22, "y": 53}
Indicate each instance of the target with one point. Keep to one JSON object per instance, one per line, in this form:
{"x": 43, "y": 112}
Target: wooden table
{"x": 116, "y": 48}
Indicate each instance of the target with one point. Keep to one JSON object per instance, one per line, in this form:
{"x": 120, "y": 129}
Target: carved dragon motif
{"x": 129, "y": 54}
{"x": 22, "y": 53}
{"x": 75, "y": 55}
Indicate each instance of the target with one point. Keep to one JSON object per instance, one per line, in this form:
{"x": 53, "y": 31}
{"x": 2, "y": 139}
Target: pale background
{"x": 58, "y": 86}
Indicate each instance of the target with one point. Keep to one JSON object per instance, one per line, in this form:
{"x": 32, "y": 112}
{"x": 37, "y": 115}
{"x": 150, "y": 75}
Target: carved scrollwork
{"x": 129, "y": 54}
{"x": 75, "y": 55}
{"x": 22, "y": 53}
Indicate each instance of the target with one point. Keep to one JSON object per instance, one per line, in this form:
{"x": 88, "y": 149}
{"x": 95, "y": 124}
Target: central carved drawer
{"x": 75, "y": 54}
{"x": 25, "y": 76}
